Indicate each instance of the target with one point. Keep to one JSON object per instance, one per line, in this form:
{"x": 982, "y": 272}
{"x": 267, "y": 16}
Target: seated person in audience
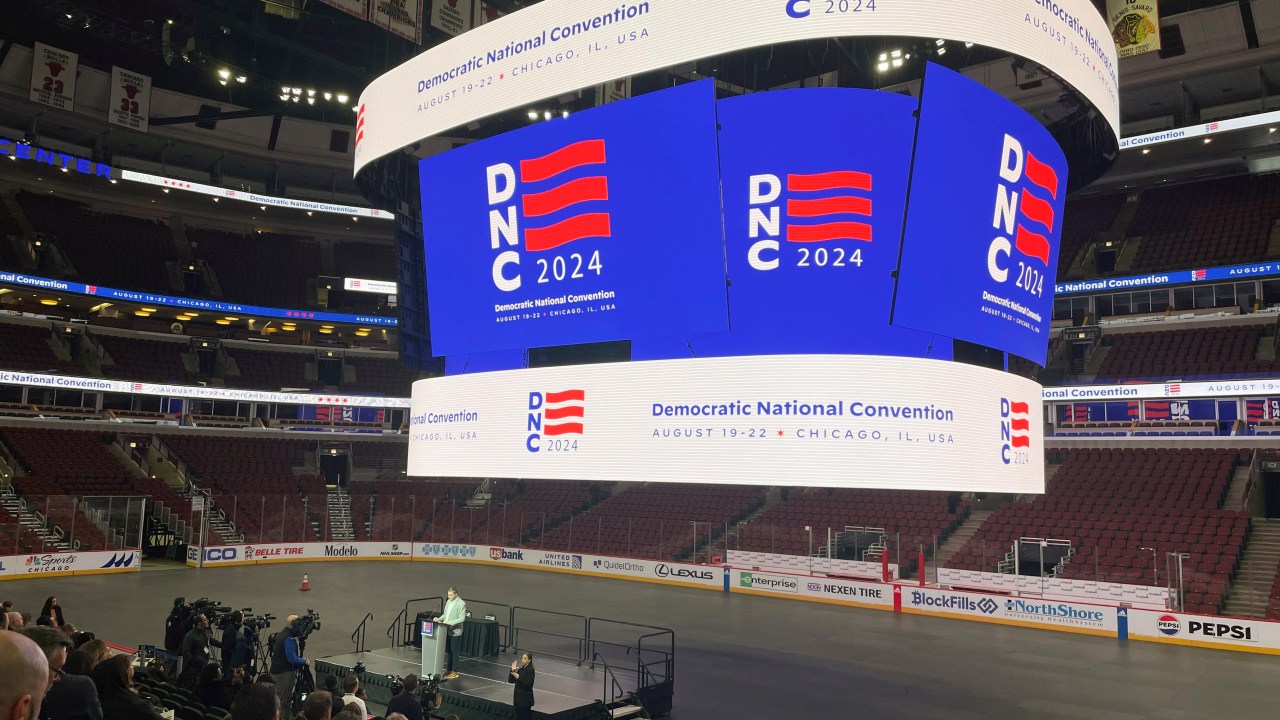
{"x": 347, "y": 715}
{"x": 79, "y": 663}
{"x": 317, "y": 706}
{"x": 71, "y": 696}
{"x": 4, "y": 621}
{"x": 67, "y": 629}
{"x": 212, "y": 690}
{"x": 396, "y": 716}
{"x": 114, "y": 680}
{"x": 256, "y": 702}
{"x": 27, "y": 619}
{"x": 353, "y": 693}
{"x": 407, "y": 703}
{"x": 332, "y": 686}
{"x": 52, "y": 610}
{"x": 97, "y": 650}
{"x": 24, "y": 671}
{"x": 82, "y": 637}
{"x": 15, "y": 620}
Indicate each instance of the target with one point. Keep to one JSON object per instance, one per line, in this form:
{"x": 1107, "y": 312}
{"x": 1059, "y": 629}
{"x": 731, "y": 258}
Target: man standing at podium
{"x": 455, "y": 614}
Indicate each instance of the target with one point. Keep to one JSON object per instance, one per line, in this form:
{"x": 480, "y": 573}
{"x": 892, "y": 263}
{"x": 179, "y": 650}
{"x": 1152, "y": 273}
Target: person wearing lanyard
{"x": 455, "y": 614}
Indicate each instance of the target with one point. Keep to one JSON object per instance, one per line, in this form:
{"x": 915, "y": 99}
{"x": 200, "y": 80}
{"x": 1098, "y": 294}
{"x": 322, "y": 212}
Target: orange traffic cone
{"x": 306, "y": 584}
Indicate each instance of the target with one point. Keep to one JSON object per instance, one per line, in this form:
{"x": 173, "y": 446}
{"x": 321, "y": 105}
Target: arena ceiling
{"x": 1219, "y": 57}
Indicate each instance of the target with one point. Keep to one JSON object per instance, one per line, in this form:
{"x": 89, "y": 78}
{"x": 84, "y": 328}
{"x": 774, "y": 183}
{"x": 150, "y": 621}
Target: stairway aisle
{"x": 1248, "y": 594}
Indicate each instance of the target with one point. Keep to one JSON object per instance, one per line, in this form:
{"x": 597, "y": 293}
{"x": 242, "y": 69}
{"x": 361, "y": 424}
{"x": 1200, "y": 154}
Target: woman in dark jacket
{"x": 522, "y": 677}
{"x": 114, "y": 680}
{"x": 53, "y": 611}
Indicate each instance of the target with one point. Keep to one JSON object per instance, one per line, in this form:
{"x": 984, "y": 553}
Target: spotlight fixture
{"x": 242, "y": 79}
{"x": 328, "y": 96}
{"x": 311, "y": 101}
{"x": 342, "y": 98}
{"x": 533, "y": 115}
{"x": 1146, "y": 151}
{"x": 224, "y": 73}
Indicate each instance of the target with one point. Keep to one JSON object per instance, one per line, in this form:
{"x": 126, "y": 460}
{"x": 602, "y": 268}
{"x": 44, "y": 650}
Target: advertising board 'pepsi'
{"x": 813, "y": 221}
{"x": 980, "y": 249}
{"x": 601, "y": 226}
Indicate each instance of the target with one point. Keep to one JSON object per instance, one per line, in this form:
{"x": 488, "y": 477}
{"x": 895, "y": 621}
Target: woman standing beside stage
{"x": 522, "y": 675}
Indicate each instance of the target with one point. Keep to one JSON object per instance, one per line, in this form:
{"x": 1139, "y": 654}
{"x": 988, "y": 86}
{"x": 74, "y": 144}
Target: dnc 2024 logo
{"x": 557, "y": 415}
{"x": 543, "y": 194}
{"x": 1015, "y": 432}
{"x": 1024, "y": 217}
{"x": 820, "y": 208}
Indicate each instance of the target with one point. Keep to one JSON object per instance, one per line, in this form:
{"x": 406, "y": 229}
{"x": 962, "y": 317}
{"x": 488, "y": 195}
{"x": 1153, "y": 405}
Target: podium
{"x": 433, "y": 635}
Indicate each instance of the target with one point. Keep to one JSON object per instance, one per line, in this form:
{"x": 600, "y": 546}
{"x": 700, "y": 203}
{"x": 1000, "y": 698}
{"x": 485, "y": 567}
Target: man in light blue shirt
{"x": 455, "y": 614}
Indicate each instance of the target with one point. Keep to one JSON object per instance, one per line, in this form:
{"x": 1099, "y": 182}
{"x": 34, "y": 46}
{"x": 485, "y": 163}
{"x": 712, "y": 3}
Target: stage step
{"x": 625, "y": 711}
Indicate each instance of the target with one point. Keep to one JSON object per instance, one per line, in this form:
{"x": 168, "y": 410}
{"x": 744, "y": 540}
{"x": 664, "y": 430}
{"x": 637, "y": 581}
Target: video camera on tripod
{"x": 429, "y": 695}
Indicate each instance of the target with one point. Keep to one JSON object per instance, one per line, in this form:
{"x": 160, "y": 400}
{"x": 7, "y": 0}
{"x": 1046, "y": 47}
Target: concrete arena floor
{"x": 737, "y": 656}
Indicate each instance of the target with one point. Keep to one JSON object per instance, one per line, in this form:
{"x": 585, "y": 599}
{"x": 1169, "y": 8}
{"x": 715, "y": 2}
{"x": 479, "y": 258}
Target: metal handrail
{"x": 402, "y": 621}
{"x": 582, "y": 639}
{"x": 504, "y": 630}
{"x": 610, "y": 687}
{"x": 670, "y": 660}
{"x": 358, "y": 637}
{"x": 670, "y": 653}
{"x": 393, "y": 630}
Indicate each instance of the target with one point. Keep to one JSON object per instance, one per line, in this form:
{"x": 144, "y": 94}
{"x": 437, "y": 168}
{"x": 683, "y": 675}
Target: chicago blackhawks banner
{"x": 1135, "y": 26}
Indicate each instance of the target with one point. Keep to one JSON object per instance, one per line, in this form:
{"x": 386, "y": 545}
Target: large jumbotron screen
{"x": 791, "y": 268}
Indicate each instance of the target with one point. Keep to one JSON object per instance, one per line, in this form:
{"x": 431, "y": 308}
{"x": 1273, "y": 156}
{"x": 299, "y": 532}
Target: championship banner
{"x": 452, "y": 16}
{"x": 400, "y": 17}
{"x": 1135, "y": 26}
{"x": 130, "y": 99}
{"x": 613, "y": 91}
{"x": 53, "y": 77}
{"x": 813, "y": 420}
{"x": 358, "y": 8}
{"x": 489, "y": 13}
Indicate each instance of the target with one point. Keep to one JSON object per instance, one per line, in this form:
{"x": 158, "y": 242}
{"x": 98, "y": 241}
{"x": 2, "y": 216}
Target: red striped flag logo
{"x": 1015, "y": 430}
{"x": 555, "y": 415}
{"x": 564, "y": 412}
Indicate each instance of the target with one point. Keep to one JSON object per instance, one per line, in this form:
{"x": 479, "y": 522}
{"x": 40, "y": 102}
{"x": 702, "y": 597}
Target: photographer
{"x": 195, "y": 649}
{"x": 238, "y": 639}
{"x": 286, "y": 660}
{"x": 175, "y": 626}
{"x": 406, "y": 703}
